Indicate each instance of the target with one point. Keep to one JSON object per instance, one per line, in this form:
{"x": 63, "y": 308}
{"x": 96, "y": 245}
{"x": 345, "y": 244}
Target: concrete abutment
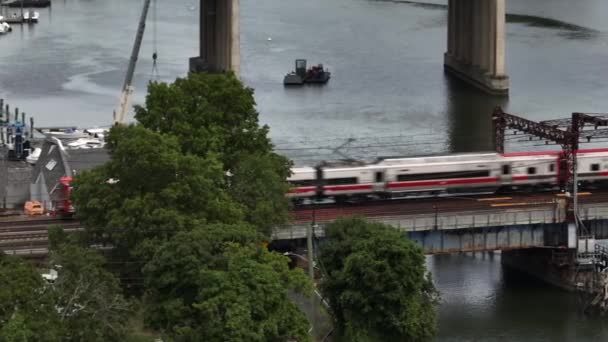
{"x": 219, "y": 37}
{"x": 476, "y": 44}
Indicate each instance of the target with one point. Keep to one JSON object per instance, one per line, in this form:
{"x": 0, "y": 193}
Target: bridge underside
{"x": 476, "y": 44}
{"x": 487, "y": 230}
{"x": 219, "y": 37}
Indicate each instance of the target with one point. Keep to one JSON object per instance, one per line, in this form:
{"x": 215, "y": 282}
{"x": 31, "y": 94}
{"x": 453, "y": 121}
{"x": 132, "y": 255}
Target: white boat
{"x": 5, "y": 28}
{"x": 32, "y": 158}
{"x": 97, "y": 132}
{"x": 84, "y": 143}
{"x": 31, "y": 16}
{"x": 63, "y": 133}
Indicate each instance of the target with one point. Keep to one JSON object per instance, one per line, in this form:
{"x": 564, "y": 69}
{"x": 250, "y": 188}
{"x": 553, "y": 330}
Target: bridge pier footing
{"x": 555, "y": 266}
{"x": 476, "y": 44}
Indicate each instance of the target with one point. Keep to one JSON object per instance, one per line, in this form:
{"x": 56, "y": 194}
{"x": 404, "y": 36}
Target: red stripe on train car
{"x": 302, "y": 190}
{"x": 530, "y": 154}
{"x": 520, "y": 178}
{"x": 443, "y": 182}
{"x": 592, "y": 150}
{"x": 348, "y": 187}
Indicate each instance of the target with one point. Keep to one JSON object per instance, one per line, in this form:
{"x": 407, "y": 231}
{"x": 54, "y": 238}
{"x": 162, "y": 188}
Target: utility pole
{"x": 309, "y": 248}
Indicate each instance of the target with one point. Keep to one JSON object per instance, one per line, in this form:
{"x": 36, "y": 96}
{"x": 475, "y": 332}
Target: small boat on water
{"x": 63, "y": 133}
{"x": 31, "y": 16}
{"x": 4, "y": 27}
{"x": 86, "y": 143}
{"x": 315, "y": 74}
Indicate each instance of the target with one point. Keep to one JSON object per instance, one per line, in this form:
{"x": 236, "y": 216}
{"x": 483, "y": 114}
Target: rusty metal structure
{"x": 564, "y": 132}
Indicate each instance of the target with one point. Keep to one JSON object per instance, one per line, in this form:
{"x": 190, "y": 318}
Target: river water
{"x": 388, "y": 93}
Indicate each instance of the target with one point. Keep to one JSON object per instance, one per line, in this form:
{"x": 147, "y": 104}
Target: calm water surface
{"x": 388, "y": 92}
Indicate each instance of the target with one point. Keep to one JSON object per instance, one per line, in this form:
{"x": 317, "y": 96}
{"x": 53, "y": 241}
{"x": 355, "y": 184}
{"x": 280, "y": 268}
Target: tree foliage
{"x": 84, "y": 303}
{"x": 211, "y": 114}
{"x": 190, "y": 191}
{"x": 88, "y": 298}
{"x": 156, "y": 189}
{"x": 377, "y": 284}
{"x": 198, "y": 155}
{"x": 27, "y": 311}
{"x": 218, "y": 283}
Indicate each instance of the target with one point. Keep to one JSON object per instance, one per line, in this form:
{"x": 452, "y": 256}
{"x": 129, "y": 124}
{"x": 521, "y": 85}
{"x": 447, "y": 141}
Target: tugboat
{"x": 316, "y": 74}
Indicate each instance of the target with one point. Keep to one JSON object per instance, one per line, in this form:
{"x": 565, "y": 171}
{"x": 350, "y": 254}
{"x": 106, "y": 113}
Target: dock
{"x": 14, "y": 19}
{"x": 26, "y": 3}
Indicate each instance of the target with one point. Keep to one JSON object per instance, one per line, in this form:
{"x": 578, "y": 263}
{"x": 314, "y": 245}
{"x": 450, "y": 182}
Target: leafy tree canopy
{"x": 27, "y": 311}
{"x": 218, "y": 283}
{"x": 84, "y": 303}
{"x": 209, "y": 113}
{"x": 377, "y": 284}
{"x": 198, "y": 155}
{"x": 150, "y": 189}
{"x": 88, "y": 298}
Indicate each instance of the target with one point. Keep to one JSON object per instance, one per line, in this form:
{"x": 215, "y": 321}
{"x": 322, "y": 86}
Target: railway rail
{"x": 448, "y": 204}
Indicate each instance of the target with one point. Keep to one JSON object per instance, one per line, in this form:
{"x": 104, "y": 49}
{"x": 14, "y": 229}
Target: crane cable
{"x": 154, "y": 75}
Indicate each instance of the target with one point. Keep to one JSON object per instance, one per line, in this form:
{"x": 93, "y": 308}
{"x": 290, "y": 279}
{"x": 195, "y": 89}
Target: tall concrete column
{"x": 476, "y": 48}
{"x": 478, "y": 33}
{"x": 457, "y": 30}
{"x": 219, "y": 48}
{"x": 492, "y": 37}
{"x": 499, "y": 38}
{"x": 468, "y": 39}
{"x": 451, "y": 27}
{"x": 485, "y": 35}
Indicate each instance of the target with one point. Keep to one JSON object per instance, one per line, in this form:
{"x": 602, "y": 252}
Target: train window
{"x": 442, "y": 175}
{"x": 595, "y": 167}
{"x": 551, "y": 167}
{"x": 506, "y": 169}
{"x": 303, "y": 182}
{"x": 379, "y": 177}
{"x": 531, "y": 170}
{"x": 341, "y": 181}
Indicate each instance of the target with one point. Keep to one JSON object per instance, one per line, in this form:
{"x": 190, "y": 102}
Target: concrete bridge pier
{"x": 219, "y": 37}
{"x": 476, "y": 44}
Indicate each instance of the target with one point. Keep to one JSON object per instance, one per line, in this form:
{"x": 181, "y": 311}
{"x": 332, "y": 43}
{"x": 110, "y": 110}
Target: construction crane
{"x": 120, "y": 112}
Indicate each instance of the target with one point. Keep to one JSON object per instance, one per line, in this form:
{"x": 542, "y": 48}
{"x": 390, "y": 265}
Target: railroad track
{"x": 447, "y": 204}
{"x": 32, "y": 225}
{"x": 28, "y": 235}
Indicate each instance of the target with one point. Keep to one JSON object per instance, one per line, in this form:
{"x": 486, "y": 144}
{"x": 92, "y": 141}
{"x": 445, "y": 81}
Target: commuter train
{"x": 456, "y": 173}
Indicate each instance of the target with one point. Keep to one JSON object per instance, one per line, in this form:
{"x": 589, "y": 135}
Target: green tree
{"x": 27, "y": 308}
{"x": 215, "y": 115}
{"x": 209, "y": 113}
{"x": 376, "y": 283}
{"x": 150, "y": 189}
{"x": 88, "y": 298}
{"x": 197, "y": 156}
{"x": 218, "y": 283}
{"x": 258, "y": 184}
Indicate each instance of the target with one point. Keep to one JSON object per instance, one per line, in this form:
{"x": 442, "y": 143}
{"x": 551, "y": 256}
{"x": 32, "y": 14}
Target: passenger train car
{"x": 471, "y": 172}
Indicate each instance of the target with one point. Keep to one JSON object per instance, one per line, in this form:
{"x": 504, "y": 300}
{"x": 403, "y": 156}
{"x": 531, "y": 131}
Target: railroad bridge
{"x": 469, "y": 224}
{"x": 475, "y": 41}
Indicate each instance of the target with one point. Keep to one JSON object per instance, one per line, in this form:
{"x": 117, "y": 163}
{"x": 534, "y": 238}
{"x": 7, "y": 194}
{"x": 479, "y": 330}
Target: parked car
{"x": 33, "y": 208}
